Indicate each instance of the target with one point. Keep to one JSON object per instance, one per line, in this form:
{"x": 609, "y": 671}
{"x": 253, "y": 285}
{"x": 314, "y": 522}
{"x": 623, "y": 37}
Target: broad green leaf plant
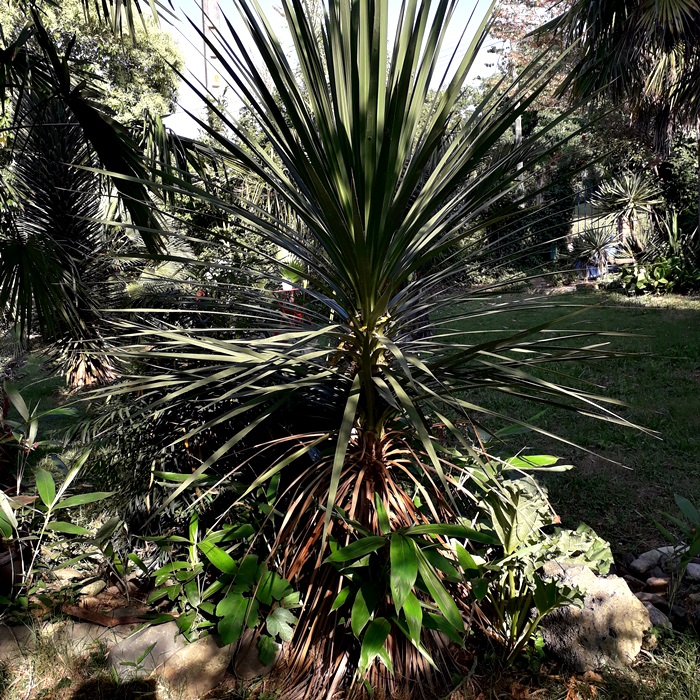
{"x": 330, "y": 396}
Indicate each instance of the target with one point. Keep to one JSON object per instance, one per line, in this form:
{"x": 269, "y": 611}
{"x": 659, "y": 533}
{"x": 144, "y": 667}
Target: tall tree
{"x": 52, "y": 263}
{"x": 643, "y": 54}
{"x": 136, "y": 76}
{"x": 54, "y": 107}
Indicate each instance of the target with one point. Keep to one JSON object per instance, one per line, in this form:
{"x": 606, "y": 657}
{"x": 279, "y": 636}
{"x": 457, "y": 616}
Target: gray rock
{"x": 644, "y": 563}
{"x": 67, "y": 637}
{"x": 608, "y": 631}
{"x": 75, "y": 638}
{"x": 657, "y": 618}
{"x": 653, "y": 599}
{"x": 144, "y": 651}
{"x": 247, "y": 664}
{"x": 679, "y": 616}
{"x": 197, "y": 668}
{"x": 692, "y": 573}
{"x": 15, "y": 642}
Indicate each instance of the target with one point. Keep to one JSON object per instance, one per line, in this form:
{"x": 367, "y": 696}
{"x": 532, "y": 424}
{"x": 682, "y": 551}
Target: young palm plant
{"x": 328, "y": 399}
{"x": 623, "y": 201}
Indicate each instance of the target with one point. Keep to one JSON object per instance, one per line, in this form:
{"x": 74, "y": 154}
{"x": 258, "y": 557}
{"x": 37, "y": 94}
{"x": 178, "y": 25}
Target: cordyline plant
{"x": 329, "y": 394}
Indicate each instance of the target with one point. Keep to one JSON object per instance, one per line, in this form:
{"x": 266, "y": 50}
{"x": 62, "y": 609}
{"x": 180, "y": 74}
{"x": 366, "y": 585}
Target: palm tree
{"x": 53, "y": 254}
{"x": 645, "y": 54}
{"x": 52, "y": 265}
{"x": 330, "y": 405}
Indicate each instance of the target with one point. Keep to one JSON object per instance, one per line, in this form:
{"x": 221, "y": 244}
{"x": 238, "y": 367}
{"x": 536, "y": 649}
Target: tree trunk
{"x": 697, "y": 233}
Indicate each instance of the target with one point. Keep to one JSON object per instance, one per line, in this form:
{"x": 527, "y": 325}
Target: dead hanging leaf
{"x": 19, "y": 501}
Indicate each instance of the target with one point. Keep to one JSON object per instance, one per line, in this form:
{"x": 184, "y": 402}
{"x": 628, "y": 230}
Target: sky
{"x": 191, "y": 47}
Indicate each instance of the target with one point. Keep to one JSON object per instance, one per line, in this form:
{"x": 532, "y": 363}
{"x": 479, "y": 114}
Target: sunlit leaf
{"x": 46, "y": 486}
{"x": 404, "y": 568}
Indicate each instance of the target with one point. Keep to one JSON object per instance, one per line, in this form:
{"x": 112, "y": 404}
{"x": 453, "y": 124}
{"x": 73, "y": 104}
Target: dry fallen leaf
{"x": 572, "y": 690}
{"x": 578, "y": 690}
{"x": 519, "y": 692}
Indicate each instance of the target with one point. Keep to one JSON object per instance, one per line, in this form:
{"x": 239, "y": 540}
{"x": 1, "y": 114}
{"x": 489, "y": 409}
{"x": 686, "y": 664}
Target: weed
{"x": 671, "y": 673}
{"x": 5, "y": 678}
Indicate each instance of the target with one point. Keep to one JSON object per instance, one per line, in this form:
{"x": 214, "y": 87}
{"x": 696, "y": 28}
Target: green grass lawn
{"x": 659, "y": 379}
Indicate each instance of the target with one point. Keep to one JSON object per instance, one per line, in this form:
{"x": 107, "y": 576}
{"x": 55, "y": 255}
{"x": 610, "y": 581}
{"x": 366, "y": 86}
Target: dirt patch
{"x": 649, "y": 494}
{"x": 613, "y": 466}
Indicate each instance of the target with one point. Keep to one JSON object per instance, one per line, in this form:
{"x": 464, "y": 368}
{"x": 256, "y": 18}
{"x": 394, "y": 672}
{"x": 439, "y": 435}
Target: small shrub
{"x": 663, "y": 275}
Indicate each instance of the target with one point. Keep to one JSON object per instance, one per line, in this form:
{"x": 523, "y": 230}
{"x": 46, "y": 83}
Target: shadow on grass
{"x": 109, "y": 689}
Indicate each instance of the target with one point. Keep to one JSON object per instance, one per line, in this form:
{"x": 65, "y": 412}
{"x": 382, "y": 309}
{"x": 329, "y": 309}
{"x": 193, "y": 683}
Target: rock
{"x": 93, "y": 589}
{"x": 694, "y": 598}
{"x": 657, "y": 572}
{"x": 67, "y": 574}
{"x": 653, "y": 599}
{"x": 113, "y": 590}
{"x": 66, "y": 637}
{"x": 620, "y": 570}
{"x": 657, "y": 584}
{"x": 679, "y": 617}
{"x": 670, "y": 550}
{"x": 608, "y": 631}
{"x": 197, "y": 668}
{"x": 627, "y": 559}
{"x": 692, "y": 573}
{"x": 141, "y": 653}
{"x": 671, "y": 557}
{"x": 247, "y": 664}
{"x": 15, "y": 642}
{"x": 657, "y": 618}
{"x": 634, "y": 584}
{"x": 75, "y": 638}
{"x": 647, "y": 561}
